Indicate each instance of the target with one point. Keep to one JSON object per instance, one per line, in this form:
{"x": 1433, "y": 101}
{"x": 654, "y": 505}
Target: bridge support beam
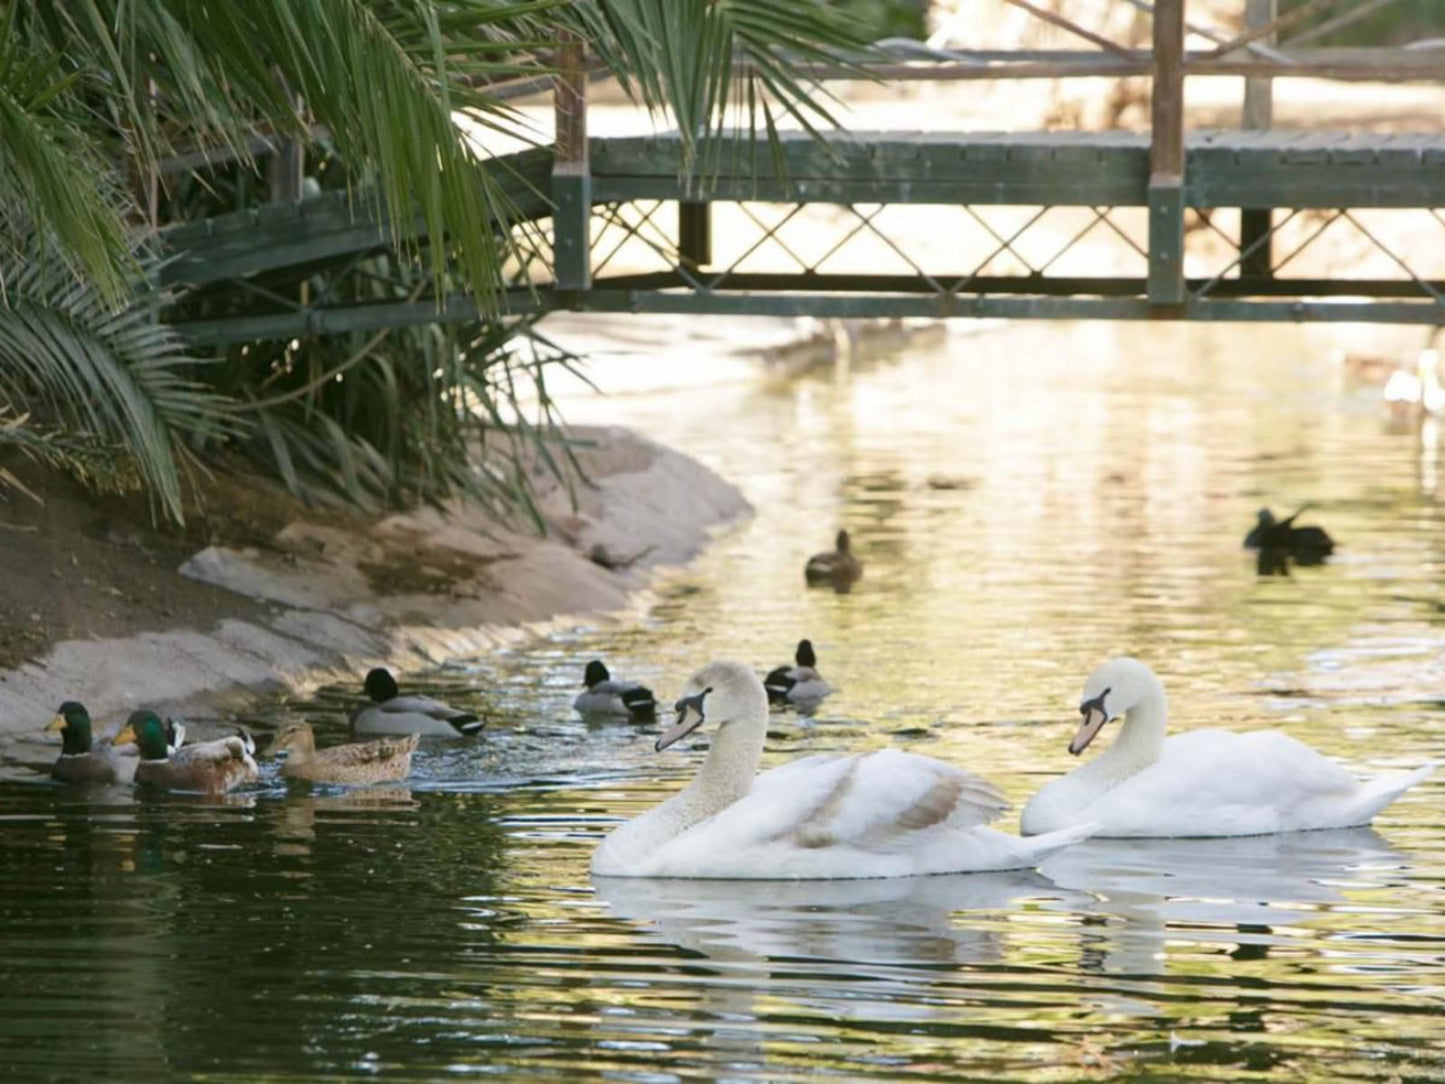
{"x": 1257, "y": 115}
{"x": 571, "y": 171}
{"x": 694, "y": 234}
{"x": 1166, "y": 157}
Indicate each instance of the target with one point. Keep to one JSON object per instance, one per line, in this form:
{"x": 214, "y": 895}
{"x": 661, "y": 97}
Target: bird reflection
{"x": 1233, "y": 890}
{"x": 900, "y": 920}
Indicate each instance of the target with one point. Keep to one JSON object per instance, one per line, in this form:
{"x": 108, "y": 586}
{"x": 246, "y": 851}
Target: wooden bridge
{"x": 1205, "y": 225}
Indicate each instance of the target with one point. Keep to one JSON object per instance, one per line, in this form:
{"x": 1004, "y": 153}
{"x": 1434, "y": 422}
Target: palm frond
{"x": 49, "y": 169}
{"x": 715, "y": 63}
{"x": 109, "y": 378}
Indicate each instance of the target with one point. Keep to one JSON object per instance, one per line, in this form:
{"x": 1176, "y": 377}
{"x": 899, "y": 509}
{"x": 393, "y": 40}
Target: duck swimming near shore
{"x": 212, "y": 767}
{"x": 836, "y": 567}
{"x": 606, "y": 695}
{"x": 798, "y": 683}
{"x": 86, "y": 761}
{"x": 881, "y": 814}
{"x": 82, "y": 761}
{"x": 1202, "y": 783}
{"x": 384, "y": 760}
{"x": 390, "y": 713}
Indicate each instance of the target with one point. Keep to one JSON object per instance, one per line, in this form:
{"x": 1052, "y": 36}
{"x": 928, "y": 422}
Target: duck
{"x": 84, "y": 761}
{"x": 391, "y": 713}
{"x": 212, "y": 767}
{"x": 837, "y": 566}
{"x": 799, "y": 682}
{"x": 1308, "y": 545}
{"x": 827, "y": 817}
{"x": 384, "y": 760}
{"x": 1203, "y": 783}
{"x": 605, "y": 695}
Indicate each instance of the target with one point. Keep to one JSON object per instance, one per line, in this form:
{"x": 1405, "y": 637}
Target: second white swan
{"x": 882, "y": 814}
{"x": 1203, "y": 783}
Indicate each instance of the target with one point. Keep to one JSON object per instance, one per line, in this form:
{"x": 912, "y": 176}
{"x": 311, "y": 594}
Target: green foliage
{"x": 712, "y": 64}
{"x": 875, "y": 19}
{"x": 107, "y": 392}
{"x": 1394, "y": 24}
{"x": 95, "y": 94}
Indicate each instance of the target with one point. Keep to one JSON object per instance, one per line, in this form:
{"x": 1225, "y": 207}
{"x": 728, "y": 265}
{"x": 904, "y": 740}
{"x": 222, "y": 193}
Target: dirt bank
{"x": 259, "y": 592}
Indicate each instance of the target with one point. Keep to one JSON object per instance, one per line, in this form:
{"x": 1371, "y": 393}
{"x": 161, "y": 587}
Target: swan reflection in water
{"x": 1227, "y": 890}
{"x": 883, "y": 921}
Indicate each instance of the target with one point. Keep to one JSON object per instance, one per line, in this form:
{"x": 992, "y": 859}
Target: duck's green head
{"x": 73, "y": 722}
{"x": 148, "y": 732}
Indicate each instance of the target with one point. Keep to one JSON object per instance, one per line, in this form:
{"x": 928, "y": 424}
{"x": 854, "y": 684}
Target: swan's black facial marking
{"x": 1096, "y": 704}
{"x": 692, "y": 703}
{"x": 691, "y": 713}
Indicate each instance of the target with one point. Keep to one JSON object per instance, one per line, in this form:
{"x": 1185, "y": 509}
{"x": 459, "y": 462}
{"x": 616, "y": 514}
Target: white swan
{"x": 1203, "y": 783}
{"x": 883, "y": 814}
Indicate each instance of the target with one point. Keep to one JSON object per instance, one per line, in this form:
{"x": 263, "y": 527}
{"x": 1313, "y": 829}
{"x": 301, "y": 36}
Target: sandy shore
{"x": 321, "y": 597}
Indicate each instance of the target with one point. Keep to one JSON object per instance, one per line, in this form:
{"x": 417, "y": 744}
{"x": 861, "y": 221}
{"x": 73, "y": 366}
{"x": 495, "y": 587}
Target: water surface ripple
{"x": 1027, "y": 503}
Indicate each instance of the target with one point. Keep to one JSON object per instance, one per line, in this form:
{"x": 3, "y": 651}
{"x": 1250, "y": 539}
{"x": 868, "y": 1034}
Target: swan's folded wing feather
{"x": 1258, "y": 766}
{"x": 873, "y": 800}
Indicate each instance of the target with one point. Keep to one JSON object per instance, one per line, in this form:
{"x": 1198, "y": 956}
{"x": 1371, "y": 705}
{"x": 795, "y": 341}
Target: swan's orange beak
{"x": 1094, "y": 720}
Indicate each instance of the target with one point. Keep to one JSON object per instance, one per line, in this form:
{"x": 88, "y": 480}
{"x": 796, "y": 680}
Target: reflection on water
{"x": 1026, "y": 503}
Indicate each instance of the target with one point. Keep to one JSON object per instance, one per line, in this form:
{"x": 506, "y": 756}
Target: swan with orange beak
{"x": 1203, "y": 783}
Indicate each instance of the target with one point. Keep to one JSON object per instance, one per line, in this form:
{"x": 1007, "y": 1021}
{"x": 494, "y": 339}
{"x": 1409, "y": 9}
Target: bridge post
{"x": 1166, "y": 157}
{"x": 571, "y": 170}
{"x": 1258, "y": 114}
{"x": 694, "y": 233}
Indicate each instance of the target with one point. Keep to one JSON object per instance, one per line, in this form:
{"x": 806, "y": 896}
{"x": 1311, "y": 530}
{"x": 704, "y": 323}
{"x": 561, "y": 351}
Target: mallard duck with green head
{"x": 83, "y": 761}
{"x": 211, "y": 767}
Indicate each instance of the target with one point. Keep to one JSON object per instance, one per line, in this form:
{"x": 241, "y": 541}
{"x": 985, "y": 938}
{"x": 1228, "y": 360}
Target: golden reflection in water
{"x": 1026, "y": 502}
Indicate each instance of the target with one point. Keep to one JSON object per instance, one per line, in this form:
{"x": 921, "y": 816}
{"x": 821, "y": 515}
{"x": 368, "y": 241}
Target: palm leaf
{"x": 715, "y": 63}
{"x": 112, "y": 378}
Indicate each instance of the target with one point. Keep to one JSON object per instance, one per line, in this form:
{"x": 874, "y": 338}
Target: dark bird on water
{"x": 606, "y": 695}
{"x": 837, "y": 566}
{"x": 1308, "y": 545}
{"x": 799, "y": 683}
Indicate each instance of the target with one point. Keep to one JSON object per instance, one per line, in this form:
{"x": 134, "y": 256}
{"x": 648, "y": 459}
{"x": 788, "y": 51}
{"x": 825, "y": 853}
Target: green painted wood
{"x": 1166, "y": 239}
{"x": 572, "y": 226}
{"x": 1252, "y": 170}
{"x": 694, "y": 233}
{"x": 335, "y": 225}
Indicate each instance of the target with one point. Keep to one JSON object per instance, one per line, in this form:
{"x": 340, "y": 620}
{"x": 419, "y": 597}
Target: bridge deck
{"x": 1235, "y": 169}
{"x": 1224, "y": 169}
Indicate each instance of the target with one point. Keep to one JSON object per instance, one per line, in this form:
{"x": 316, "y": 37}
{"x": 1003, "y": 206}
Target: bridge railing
{"x": 1182, "y": 186}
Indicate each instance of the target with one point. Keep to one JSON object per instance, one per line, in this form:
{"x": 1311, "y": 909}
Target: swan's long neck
{"x": 1140, "y": 739}
{"x": 727, "y": 773}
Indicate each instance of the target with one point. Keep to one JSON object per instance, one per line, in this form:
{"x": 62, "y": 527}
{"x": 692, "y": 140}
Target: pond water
{"x": 1028, "y": 501}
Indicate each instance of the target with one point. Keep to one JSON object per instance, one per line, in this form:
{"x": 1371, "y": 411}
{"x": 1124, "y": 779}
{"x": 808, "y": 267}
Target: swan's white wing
{"x": 874, "y": 801}
{"x": 1258, "y": 766}
{"x": 1218, "y": 783}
